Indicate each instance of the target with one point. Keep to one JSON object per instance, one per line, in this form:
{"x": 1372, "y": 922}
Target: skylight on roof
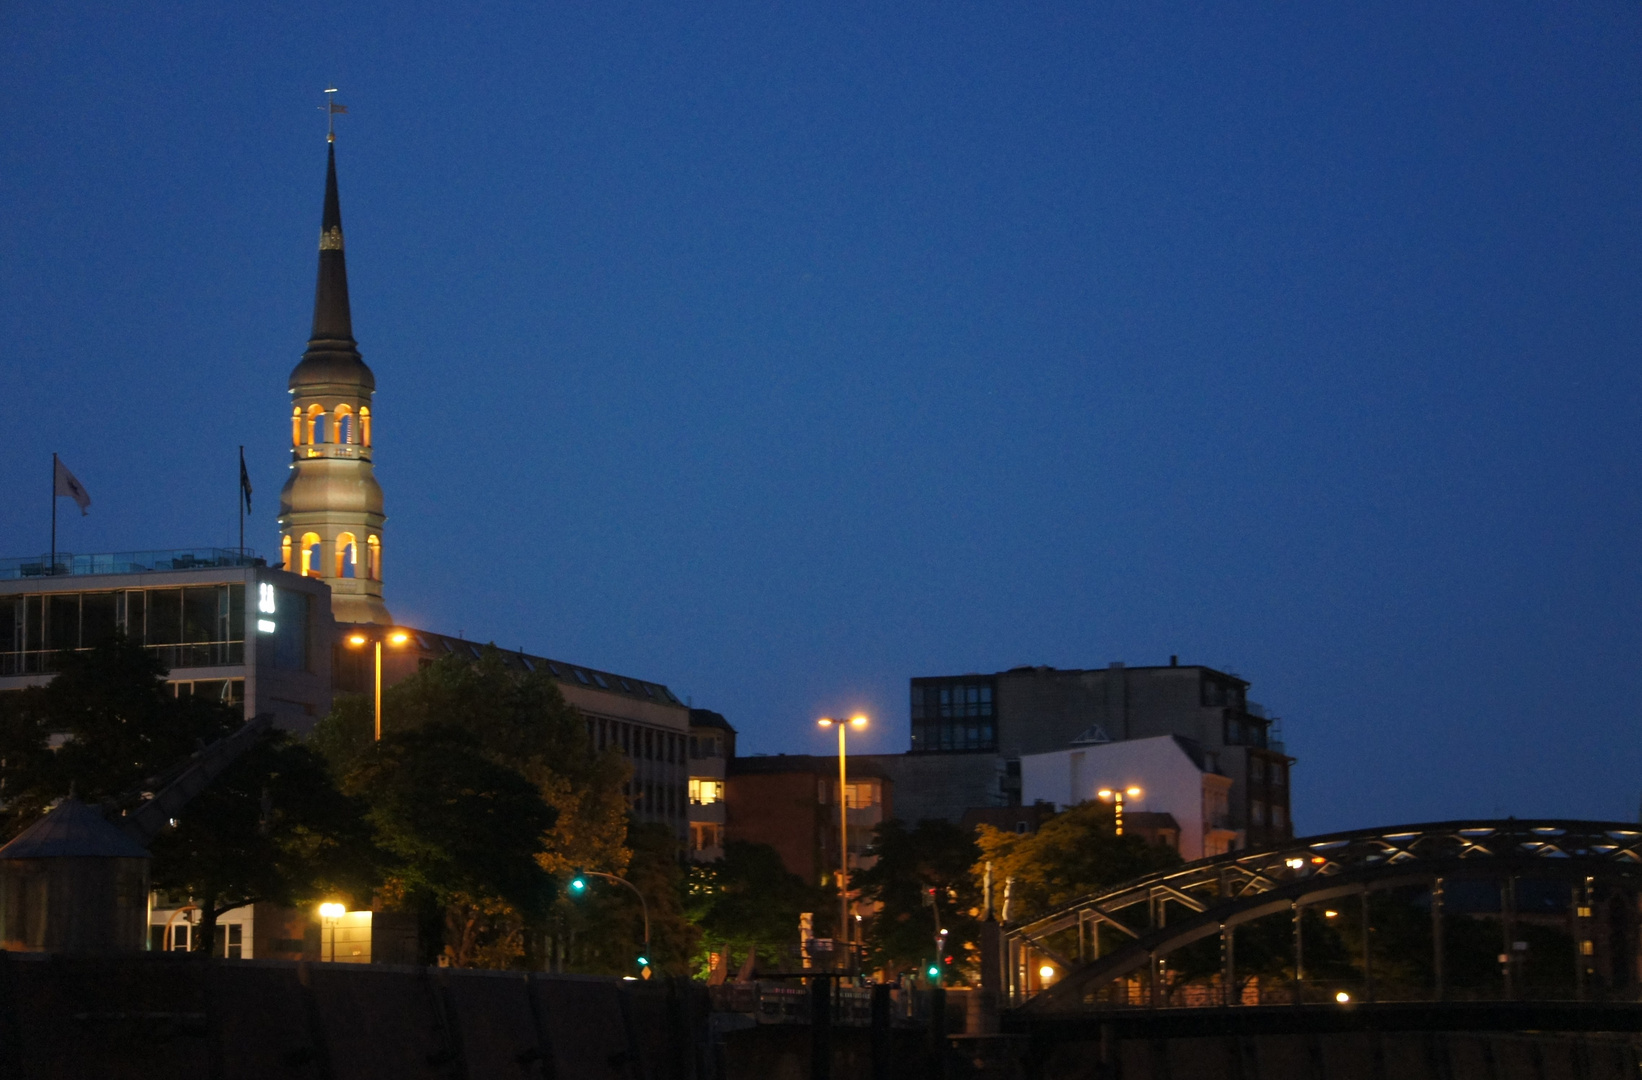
{"x": 554, "y": 668}
{"x": 581, "y": 676}
{"x": 625, "y": 685}
{"x": 525, "y": 660}
{"x": 600, "y": 680}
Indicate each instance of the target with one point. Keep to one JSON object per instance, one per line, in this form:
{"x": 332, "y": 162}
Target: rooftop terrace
{"x": 68, "y": 564}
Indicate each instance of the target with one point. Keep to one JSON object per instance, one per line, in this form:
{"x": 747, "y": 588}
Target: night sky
{"x": 783, "y": 352}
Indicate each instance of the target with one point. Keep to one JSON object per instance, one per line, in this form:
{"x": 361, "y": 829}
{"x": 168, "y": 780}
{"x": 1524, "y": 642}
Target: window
{"x": 316, "y": 424}
{"x": 1279, "y": 774}
{"x": 373, "y": 551}
{"x": 1257, "y": 813}
{"x": 347, "y": 557}
{"x": 625, "y": 685}
{"x": 600, "y": 680}
{"x": 860, "y": 796}
{"x": 296, "y": 426}
{"x": 1279, "y": 816}
{"x": 344, "y": 424}
{"x": 953, "y": 715}
{"x": 285, "y": 552}
{"x": 364, "y": 425}
{"x": 705, "y": 836}
{"x": 581, "y": 676}
{"x": 310, "y": 555}
{"x": 706, "y": 792}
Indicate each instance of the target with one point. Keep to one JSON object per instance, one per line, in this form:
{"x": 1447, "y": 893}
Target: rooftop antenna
{"x": 331, "y": 107}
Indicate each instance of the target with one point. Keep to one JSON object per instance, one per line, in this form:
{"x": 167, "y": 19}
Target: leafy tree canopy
{"x": 116, "y": 725}
{"x": 1074, "y": 852}
{"x": 934, "y": 855}
{"x": 749, "y": 900}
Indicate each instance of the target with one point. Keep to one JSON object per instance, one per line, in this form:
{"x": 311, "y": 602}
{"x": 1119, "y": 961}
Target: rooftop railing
{"x": 67, "y": 564}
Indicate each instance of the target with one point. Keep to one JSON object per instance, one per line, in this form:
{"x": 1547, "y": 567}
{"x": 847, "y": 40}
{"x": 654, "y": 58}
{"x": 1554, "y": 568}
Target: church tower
{"x": 330, "y": 510}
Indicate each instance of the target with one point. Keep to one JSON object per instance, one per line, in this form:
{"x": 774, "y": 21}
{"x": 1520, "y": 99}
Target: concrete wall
{"x": 937, "y": 785}
{"x": 180, "y": 1016}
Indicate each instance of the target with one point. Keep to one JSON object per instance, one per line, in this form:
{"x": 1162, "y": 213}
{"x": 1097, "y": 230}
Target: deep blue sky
{"x": 783, "y": 352}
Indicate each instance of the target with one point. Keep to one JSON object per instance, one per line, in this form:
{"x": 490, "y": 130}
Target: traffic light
{"x": 644, "y": 961}
{"x": 578, "y": 883}
{"x": 934, "y": 972}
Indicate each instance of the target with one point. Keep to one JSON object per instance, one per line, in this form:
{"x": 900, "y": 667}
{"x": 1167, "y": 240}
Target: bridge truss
{"x": 1165, "y": 911}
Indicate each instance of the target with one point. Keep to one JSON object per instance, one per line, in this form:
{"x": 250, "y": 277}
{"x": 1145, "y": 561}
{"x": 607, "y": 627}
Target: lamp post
{"x": 332, "y": 914}
{"x": 578, "y": 886}
{"x": 1115, "y": 797}
{"x": 843, "y": 822}
{"x": 359, "y": 639}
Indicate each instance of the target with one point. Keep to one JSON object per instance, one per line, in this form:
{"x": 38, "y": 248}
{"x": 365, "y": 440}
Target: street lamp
{"x": 843, "y": 823}
{"x": 578, "y": 887}
{"x": 332, "y": 914}
{"x": 1116, "y": 796}
{"x": 359, "y": 639}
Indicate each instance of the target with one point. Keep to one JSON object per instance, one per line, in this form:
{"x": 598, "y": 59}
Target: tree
{"x": 117, "y": 725}
{"x": 273, "y": 827}
{"x": 922, "y": 880}
{"x": 1073, "y": 853}
{"x": 749, "y": 901}
{"x": 463, "y": 834}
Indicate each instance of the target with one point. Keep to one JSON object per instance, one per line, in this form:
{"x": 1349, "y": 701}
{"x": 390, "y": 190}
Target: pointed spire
{"x": 333, "y": 355}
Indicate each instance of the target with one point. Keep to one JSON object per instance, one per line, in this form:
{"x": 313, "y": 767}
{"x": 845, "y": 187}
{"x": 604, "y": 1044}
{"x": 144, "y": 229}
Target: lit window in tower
{"x": 364, "y": 425}
{"x": 296, "y": 426}
{"x": 373, "y": 569}
{"x": 344, "y": 424}
{"x": 285, "y": 552}
{"x": 315, "y": 431}
{"x": 310, "y": 555}
{"x": 347, "y": 556}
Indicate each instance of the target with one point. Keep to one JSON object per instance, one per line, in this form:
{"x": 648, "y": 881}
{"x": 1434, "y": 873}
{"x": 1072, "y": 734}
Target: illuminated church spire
{"x": 330, "y": 510}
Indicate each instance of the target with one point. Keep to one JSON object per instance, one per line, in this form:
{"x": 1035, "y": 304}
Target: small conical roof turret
{"x": 333, "y": 355}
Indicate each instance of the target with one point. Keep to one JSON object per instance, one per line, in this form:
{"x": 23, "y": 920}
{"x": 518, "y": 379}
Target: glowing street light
{"x": 358, "y": 639}
{"x": 1046, "y": 972}
{"x": 858, "y": 721}
{"x": 1115, "y": 796}
{"x": 332, "y": 914}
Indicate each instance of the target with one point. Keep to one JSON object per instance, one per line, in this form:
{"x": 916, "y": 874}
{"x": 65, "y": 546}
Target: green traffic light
{"x": 644, "y": 961}
{"x": 578, "y": 883}
{"x": 934, "y": 972}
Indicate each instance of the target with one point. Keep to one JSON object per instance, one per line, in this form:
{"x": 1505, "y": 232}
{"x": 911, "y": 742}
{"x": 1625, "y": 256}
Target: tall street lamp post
{"x": 1115, "y": 797}
{"x": 358, "y": 639}
{"x": 843, "y": 823}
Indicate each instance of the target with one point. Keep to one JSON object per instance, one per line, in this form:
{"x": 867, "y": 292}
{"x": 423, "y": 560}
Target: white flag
{"x": 67, "y": 485}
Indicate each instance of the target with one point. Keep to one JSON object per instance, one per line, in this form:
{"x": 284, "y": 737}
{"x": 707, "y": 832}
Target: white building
{"x": 1174, "y": 774}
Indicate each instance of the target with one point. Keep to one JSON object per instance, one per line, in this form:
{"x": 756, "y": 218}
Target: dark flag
{"x": 336, "y": 108}
{"x": 244, "y": 481}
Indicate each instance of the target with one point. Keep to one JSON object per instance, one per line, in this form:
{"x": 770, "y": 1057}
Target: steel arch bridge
{"x": 1165, "y": 911}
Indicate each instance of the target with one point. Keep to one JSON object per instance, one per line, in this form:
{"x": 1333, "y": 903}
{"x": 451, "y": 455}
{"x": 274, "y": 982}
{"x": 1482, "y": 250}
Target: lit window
{"x": 705, "y": 792}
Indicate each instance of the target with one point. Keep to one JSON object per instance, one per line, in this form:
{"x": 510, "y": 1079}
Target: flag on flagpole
{"x": 244, "y": 481}
{"x": 66, "y": 484}
{"x": 336, "y": 108}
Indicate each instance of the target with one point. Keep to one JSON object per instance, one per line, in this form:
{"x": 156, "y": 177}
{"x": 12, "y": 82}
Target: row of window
{"x": 636, "y": 741}
{"x": 980, "y": 733}
{"x": 1264, "y": 816}
{"x": 656, "y": 799}
{"x": 335, "y": 427}
{"x": 951, "y": 700}
{"x": 1218, "y": 692}
{"x": 198, "y": 626}
{"x": 705, "y": 836}
{"x": 309, "y": 562}
{"x": 706, "y": 746}
{"x": 1240, "y": 729}
{"x": 1261, "y": 771}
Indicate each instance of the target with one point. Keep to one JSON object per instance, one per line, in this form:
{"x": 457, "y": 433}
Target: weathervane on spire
{"x": 331, "y": 108}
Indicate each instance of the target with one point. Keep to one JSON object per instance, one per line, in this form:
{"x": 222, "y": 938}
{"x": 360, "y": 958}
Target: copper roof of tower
{"x": 333, "y": 355}
{"x": 73, "y": 830}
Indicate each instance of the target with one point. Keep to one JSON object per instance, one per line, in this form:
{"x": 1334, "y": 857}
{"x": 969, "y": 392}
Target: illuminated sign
{"x": 265, "y": 605}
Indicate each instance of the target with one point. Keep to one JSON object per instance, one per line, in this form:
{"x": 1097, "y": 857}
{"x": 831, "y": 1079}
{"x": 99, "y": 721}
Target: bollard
{"x": 881, "y": 1061}
{"x": 937, "y": 1033}
{"x": 820, "y": 1028}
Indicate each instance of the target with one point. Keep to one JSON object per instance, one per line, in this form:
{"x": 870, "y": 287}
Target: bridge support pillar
{"x": 1368, "y": 953}
{"x": 1299, "y": 951}
{"x": 1437, "y": 943}
{"x": 1228, "y": 964}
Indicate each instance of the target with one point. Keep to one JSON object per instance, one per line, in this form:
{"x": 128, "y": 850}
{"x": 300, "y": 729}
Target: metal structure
{"x": 1165, "y": 911}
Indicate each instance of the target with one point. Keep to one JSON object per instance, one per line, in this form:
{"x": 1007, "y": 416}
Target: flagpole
{"x": 53, "y": 570}
{"x": 239, "y": 501}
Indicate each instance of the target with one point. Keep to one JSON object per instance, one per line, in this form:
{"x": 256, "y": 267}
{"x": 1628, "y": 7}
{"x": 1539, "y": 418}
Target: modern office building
{"x": 970, "y": 732}
{"x": 223, "y": 623}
